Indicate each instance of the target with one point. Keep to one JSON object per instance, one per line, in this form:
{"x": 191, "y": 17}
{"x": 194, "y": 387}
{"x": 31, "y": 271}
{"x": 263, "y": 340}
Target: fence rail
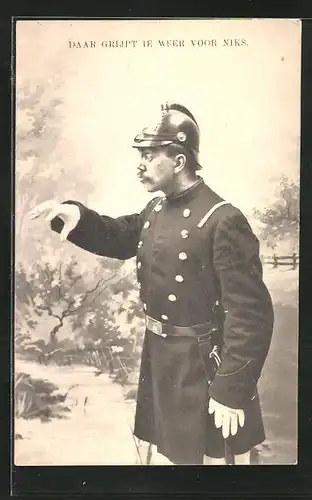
{"x": 291, "y": 261}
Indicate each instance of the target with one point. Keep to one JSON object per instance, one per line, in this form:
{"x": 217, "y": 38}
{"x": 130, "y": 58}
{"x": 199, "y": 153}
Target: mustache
{"x": 141, "y": 175}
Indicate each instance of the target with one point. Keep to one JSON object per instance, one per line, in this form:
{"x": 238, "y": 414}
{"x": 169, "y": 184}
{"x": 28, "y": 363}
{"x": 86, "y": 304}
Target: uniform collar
{"x": 188, "y": 194}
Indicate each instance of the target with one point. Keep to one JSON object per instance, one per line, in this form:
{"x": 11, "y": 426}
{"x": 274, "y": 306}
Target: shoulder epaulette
{"x": 210, "y": 212}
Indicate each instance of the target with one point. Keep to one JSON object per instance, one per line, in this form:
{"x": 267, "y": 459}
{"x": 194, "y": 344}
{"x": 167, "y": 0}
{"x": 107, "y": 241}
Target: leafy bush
{"x": 64, "y": 317}
{"x": 38, "y": 398}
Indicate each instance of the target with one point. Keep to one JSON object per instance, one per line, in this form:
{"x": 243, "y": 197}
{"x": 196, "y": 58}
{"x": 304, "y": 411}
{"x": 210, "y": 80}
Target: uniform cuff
{"x": 57, "y": 224}
{"x": 235, "y": 389}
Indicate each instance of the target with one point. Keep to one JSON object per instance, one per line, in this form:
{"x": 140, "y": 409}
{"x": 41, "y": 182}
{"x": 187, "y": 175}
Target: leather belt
{"x": 165, "y": 329}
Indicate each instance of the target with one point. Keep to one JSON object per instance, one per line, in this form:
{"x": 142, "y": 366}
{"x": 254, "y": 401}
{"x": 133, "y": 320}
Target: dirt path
{"x": 95, "y": 433}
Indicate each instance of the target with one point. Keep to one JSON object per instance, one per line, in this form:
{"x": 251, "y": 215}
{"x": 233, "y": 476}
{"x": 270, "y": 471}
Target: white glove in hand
{"x": 70, "y": 215}
{"x": 227, "y": 418}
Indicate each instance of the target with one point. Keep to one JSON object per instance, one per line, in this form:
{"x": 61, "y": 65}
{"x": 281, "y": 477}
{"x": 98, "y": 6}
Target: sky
{"x": 245, "y": 98}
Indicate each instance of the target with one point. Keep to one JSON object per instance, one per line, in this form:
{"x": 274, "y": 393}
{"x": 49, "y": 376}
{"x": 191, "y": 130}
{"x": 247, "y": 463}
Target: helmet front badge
{"x": 181, "y": 136}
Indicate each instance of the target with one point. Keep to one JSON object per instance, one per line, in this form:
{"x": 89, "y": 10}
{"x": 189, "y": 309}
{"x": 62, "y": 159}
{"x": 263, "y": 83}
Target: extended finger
{"x": 211, "y": 406}
{"x": 218, "y": 416}
{"x": 41, "y": 208}
{"x": 226, "y": 424}
{"x": 241, "y": 418}
{"x": 234, "y": 424}
{"x": 53, "y": 213}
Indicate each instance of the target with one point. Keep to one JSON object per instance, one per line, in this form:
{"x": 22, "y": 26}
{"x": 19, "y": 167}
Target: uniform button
{"x": 172, "y": 297}
{"x": 184, "y": 233}
{"x": 182, "y": 256}
{"x": 164, "y": 316}
{"x": 139, "y": 286}
{"x": 147, "y": 224}
{"x": 139, "y": 265}
{"x": 158, "y": 208}
{"x": 179, "y": 278}
{"x": 186, "y": 212}
{"x": 144, "y": 307}
{"x": 140, "y": 244}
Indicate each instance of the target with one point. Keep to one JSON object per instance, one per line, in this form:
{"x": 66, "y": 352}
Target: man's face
{"x": 156, "y": 169}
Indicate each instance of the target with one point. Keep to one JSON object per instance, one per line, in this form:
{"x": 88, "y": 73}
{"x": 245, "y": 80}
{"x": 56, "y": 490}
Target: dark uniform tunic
{"x": 185, "y": 263}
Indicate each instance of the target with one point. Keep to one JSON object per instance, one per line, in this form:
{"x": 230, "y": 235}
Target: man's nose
{"x": 141, "y": 167}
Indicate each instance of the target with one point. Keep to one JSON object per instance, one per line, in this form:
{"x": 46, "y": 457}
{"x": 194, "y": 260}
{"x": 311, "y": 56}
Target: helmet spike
{"x": 165, "y": 107}
{"x": 178, "y": 107}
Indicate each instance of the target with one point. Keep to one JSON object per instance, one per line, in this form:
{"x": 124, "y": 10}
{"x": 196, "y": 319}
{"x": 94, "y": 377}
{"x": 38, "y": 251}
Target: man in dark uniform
{"x": 209, "y": 316}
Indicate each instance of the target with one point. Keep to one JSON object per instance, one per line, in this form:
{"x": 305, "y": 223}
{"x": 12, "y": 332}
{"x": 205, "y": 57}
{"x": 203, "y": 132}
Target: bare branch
{"x": 103, "y": 289}
{"x": 50, "y": 311}
{"x": 89, "y": 292}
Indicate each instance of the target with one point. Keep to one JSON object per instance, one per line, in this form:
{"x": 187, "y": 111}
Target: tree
{"x": 93, "y": 302}
{"x": 112, "y": 329}
{"x": 100, "y": 317}
{"x": 281, "y": 220}
{"x": 43, "y": 157}
{"x": 51, "y": 295}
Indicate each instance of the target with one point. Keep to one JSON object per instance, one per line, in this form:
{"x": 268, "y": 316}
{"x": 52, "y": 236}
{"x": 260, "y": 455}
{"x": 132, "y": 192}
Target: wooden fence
{"x": 292, "y": 261}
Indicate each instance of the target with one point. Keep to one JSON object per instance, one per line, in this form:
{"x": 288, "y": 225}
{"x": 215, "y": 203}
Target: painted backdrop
{"x": 84, "y": 89}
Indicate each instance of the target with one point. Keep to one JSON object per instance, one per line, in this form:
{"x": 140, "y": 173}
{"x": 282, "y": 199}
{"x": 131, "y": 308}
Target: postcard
{"x": 156, "y": 241}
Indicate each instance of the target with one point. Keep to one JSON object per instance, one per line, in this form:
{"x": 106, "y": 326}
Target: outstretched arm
{"x": 98, "y": 234}
{"x": 104, "y": 235}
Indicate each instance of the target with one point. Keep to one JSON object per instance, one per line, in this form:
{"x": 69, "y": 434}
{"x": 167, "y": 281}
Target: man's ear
{"x": 180, "y": 163}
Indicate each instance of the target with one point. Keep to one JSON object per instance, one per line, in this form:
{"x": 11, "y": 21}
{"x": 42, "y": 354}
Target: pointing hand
{"x": 70, "y": 215}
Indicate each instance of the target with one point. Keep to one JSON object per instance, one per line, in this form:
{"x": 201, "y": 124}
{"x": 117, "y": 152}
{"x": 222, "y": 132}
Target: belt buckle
{"x": 155, "y": 326}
